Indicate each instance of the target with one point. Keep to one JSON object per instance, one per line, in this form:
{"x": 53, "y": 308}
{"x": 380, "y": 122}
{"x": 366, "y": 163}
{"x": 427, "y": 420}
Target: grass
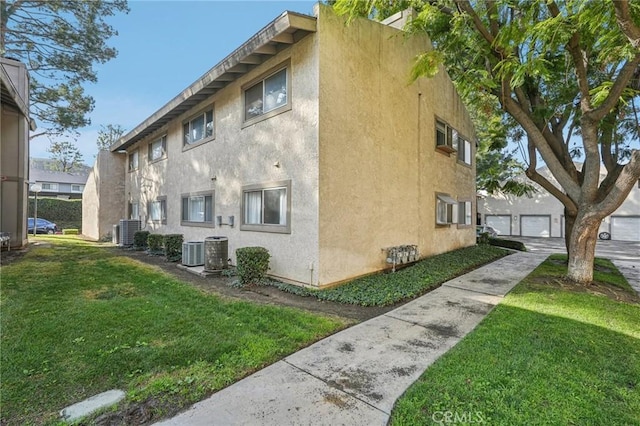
{"x": 550, "y": 353}
{"x": 79, "y": 319}
{"x": 388, "y": 288}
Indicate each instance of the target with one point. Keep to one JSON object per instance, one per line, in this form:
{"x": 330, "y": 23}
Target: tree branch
{"x": 628, "y": 27}
{"x": 620, "y": 83}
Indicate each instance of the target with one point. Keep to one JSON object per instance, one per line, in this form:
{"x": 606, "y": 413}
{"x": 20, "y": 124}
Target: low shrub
{"x": 69, "y": 232}
{"x": 252, "y": 264}
{"x": 173, "y": 247}
{"x": 511, "y": 244}
{"x": 140, "y": 240}
{"x": 155, "y": 244}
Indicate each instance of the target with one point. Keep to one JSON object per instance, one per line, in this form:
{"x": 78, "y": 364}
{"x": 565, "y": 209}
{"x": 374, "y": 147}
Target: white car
{"x": 486, "y": 229}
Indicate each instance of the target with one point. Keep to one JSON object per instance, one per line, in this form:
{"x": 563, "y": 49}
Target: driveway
{"x": 624, "y": 254}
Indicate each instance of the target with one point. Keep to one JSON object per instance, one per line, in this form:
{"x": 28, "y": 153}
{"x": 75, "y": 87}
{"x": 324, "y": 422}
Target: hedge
{"x": 64, "y": 213}
{"x": 511, "y": 244}
{"x": 173, "y": 247}
{"x": 155, "y": 243}
{"x": 140, "y": 240}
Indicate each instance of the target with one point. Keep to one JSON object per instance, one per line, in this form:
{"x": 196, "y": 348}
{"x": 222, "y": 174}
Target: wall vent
{"x": 127, "y": 230}
{"x": 193, "y": 253}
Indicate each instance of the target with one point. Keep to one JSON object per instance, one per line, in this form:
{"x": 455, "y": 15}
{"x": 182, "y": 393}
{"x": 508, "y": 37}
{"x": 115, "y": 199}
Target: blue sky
{"x": 164, "y": 46}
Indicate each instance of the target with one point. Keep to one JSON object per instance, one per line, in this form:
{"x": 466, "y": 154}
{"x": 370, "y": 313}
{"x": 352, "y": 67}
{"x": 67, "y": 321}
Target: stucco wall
{"x": 379, "y": 168}
{"x": 103, "y": 197}
{"x": 240, "y": 156}
{"x": 14, "y": 157}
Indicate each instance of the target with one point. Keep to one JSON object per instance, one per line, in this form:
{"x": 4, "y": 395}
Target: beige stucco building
{"x": 311, "y": 141}
{"x": 14, "y": 150}
{"x": 542, "y": 215}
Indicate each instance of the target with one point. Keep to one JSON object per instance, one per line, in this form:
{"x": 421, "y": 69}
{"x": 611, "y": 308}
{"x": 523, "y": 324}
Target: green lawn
{"x": 549, "y": 354}
{"x": 79, "y": 319}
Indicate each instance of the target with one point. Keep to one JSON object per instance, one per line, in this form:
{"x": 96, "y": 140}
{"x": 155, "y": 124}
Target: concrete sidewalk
{"x": 354, "y": 377}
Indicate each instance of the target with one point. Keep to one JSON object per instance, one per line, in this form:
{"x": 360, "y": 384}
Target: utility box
{"x": 216, "y": 253}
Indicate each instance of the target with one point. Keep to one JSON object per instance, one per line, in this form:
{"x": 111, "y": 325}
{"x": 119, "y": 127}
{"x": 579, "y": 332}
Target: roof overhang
{"x": 282, "y": 32}
{"x": 9, "y": 94}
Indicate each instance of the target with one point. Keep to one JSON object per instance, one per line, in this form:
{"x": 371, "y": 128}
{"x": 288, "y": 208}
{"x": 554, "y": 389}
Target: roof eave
{"x": 285, "y": 30}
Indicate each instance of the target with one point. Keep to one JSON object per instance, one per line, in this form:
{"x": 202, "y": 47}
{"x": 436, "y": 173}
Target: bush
{"x": 511, "y": 244}
{"x": 155, "y": 243}
{"x": 253, "y": 263}
{"x": 173, "y": 247}
{"x": 69, "y": 232}
{"x": 140, "y": 240}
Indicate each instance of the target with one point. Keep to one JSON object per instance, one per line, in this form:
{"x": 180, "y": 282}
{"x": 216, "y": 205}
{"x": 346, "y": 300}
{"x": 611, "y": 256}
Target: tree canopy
{"x": 59, "y": 41}
{"x": 66, "y": 156}
{"x": 566, "y": 73}
{"x": 108, "y": 135}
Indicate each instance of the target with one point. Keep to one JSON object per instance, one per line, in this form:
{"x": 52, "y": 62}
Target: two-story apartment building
{"x": 311, "y": 141}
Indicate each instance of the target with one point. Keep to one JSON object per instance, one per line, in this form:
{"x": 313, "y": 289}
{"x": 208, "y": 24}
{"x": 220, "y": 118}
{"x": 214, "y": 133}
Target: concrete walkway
{"x": 354, "y": 377}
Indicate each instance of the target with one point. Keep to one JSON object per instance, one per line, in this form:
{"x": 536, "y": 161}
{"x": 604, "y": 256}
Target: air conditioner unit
{"x": 193, "y": 253}
{"x": 128, "y": 228}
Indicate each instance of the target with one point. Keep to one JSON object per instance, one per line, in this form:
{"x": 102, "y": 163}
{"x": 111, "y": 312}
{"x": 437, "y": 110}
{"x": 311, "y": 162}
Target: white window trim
{"x": 131, "y": 215}
{"x": 163, "y": 141}
{"x": 279, "y": 229}
{"x": 204, "y": 224}
{"x": 452, "y": 209}
{"x": 276, "y": 111}
{"x": 203, "y": 112}
{"x": 76, "y": 190}
{"x": 53, "y": 187}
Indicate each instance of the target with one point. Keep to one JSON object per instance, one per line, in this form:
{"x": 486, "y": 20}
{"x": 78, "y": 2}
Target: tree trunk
{"x": 569, "y": 221}
{"x": 582, "y": 249}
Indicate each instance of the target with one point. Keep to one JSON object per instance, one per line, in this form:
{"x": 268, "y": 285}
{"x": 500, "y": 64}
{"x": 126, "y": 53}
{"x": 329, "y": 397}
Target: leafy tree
{"x": 66, "y": 155}
{"x": 566, "y": 72}
{"x": 107, "y": 135}
{"x": 59, "y": 41}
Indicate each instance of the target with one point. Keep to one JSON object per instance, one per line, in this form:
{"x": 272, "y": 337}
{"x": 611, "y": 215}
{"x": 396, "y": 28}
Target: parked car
{"x": 486, "y": 229}
{"x": 43, "y": 226}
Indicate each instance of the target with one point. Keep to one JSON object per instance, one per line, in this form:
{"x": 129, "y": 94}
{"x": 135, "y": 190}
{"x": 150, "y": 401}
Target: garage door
{"x": 501, "y": 223}
{"x": 625, "y": 228}
{"x": 535, "y": 225}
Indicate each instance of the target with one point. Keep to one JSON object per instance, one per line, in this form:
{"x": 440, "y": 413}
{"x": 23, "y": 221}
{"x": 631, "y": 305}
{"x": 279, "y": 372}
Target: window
{"x": 198, "y": 128}
{"x": 197, "y": 209}
{"x": 267, "y": 95}
{"x": 133, "y": 161}
{"x": 158, "y": 149}
{"x": 158, "y": 210}
{"x": 76, "y": 188}
{"x": 464, "y": 213}
{"x": 49, "y": 186}
{"x": 445, "y": 137}
{"x": 446, "y": 210}
{"x": 464, "y": 150}
{"x": 267, "y": 207}
{"x": 134, "y": 211}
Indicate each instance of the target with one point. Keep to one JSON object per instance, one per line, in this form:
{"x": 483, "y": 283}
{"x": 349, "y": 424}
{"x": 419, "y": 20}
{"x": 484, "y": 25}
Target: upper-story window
{"x": 198, "y": 128}
{"x": 446, "y": 137}
{"x": 49, "y": 186}
{"x": 133, "y": 161}
{"x": 464, "y": 150}
{"x": 158, "y": 149}
{"x": 266, "y": 95}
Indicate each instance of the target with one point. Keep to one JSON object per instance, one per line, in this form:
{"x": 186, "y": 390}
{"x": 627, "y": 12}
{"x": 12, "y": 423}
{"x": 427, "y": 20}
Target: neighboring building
{"x": 104, "y": 190}
{"x": 58, "y": 184}
{"x": 543, "y": 215}
{"x": 310, "y": 141}
{"x": 14, "y": 150}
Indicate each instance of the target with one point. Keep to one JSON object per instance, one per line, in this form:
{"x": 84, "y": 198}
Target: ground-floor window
{"x": 267, "y": 207}
{"x": 197, "y": 209}
{"x": 446, "y": 209}
{"x": 158, "y": 210}
{"x": 464, "y": 213}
